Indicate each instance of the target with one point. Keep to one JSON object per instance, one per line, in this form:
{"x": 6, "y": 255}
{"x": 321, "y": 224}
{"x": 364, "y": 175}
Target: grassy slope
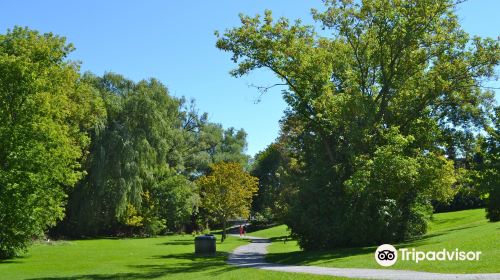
{"x": 146, "y": 258}
{"x": 465, "y": 230}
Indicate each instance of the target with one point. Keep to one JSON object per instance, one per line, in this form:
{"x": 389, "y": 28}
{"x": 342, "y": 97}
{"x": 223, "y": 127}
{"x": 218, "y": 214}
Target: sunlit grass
{"x": 466, "y": 230}
{"x": 168, "y": 257}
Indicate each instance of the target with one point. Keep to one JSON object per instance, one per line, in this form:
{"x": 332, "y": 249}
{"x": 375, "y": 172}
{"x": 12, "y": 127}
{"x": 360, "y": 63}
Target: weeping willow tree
{"x": 134, "y": 148}
{"x": 143, "y": 157}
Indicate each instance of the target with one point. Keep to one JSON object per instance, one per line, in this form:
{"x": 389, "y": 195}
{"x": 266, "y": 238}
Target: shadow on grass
{"x": 9, "y": 261}
{"x": 307, "y": 257}
{"x": 426, "y": 239}
{"x": 16, "y": 259}
{"x": 219, "y": 257}
{"x": 178, "y": 242}
{"x": 447, "y": 220}
{"x": 283, "y": 238}
{"x": 191, "y": 263}
{"x": 219, "y": 232}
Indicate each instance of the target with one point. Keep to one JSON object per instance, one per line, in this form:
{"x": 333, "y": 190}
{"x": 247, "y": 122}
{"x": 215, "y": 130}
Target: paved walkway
{"x": 253, "y": 255}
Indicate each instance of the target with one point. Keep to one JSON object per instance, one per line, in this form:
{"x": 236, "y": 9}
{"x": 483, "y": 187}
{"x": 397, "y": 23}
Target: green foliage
{"x": 391, "y": 192}
{"x": 230, "y": 147}
{"x": 227, "y": 192}
{"x": 215, "y": 144}
{"x": 153, "y": 224}
{"x": 146, "y": 220}
{"x": 272, "y": 166}
{"x": 489, "y": 169}
{"x": 493, "y": 205}
{"x": 467, "y": 194}
{"x": 132, "y": 218}
{"x": 131, "y": 150}
{"x": 378, "y": 111}
{"x": 176, "y": 199}
{"x": 150, "y": 143}
{"x": 45, "y": 109}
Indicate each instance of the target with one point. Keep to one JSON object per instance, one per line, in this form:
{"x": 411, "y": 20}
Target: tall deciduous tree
{"x": 227, "y": 192}
{"x": 381, "y": 71}
{"x": 45, "y": 110}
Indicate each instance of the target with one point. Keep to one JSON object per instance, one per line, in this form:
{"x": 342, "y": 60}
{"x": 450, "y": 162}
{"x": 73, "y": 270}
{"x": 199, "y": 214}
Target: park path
{"x": 253, "y": 255}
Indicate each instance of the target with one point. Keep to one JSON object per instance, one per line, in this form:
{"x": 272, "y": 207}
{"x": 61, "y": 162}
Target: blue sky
{"x": 174, "y": 42}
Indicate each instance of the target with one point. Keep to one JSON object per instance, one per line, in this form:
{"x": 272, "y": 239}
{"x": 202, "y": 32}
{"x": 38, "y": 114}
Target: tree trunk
{"x": 223, "y": 230}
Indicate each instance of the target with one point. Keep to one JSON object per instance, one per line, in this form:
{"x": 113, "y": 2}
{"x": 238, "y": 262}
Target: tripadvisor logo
{"x": 387, "y": 255}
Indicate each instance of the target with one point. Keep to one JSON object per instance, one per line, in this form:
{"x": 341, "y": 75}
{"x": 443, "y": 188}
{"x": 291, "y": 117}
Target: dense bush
{"x": 177, "y": 198}
{"x": 489, "y": 169}
{"x": 465, "y": 198}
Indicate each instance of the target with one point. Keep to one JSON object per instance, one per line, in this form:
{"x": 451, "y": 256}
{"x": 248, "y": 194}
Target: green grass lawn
{"x": 172, "y": 257}
{"x": 466, "y": 230}
{"x": 168, "y": 257}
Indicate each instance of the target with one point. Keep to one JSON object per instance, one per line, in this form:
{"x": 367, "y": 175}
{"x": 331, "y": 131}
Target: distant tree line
{"x": 85, "y": 155}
